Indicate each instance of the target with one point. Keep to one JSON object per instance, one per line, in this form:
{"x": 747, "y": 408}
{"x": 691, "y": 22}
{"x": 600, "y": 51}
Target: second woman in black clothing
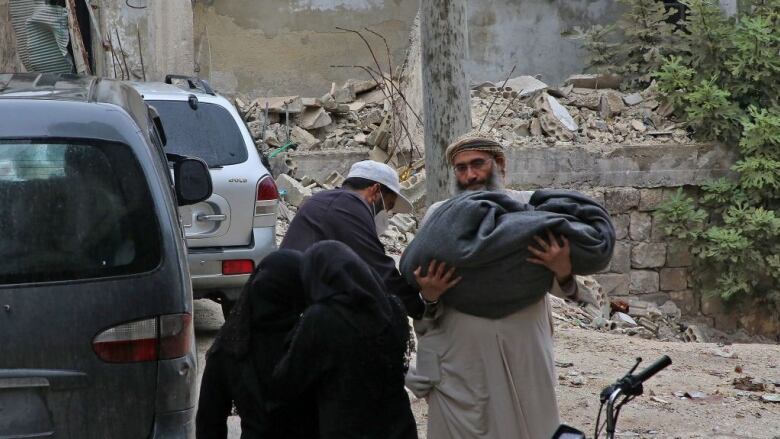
{"x": 350, "y": 349}
{"x": 240, "y": 364}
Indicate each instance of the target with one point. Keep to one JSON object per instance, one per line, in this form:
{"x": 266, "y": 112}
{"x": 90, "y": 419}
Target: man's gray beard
{"x": 494, "y": 183}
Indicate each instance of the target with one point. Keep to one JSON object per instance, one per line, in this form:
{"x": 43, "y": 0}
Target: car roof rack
{"x": 194, "y": 83}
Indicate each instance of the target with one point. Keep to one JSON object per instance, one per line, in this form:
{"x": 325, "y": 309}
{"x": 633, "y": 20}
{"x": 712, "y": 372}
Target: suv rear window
{"x": 208, "y": 132}
{"x": 74, "y": 211}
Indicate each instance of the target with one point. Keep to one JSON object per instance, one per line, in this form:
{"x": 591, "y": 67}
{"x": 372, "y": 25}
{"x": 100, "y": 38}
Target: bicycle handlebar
{"x": 657, "y": 366}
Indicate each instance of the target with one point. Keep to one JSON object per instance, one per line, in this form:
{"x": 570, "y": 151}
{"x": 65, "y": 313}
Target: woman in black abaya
{"x": 349, "y": 350}
{"x": 240, "y": 364}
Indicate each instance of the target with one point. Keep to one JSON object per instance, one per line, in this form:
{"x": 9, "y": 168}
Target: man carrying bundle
{"x": 485, "y": 352}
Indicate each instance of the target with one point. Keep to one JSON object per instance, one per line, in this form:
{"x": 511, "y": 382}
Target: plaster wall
{"x": 166, "y": 39}
{"x": 278, "y": 47}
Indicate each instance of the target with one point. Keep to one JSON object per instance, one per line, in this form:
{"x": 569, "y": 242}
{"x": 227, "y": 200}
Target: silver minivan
{"x": 231, "y": 232}
{"x": 96, "y": 332}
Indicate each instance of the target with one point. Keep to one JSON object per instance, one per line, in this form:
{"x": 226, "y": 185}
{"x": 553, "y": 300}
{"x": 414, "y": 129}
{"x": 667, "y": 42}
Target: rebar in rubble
{"x": 507, "y": 107}
{"x": 394, "y": 88}
{"x": 495, "y": 98}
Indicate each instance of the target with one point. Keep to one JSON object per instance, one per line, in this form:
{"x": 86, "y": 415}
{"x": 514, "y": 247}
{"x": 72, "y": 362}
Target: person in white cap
{"x": 356, "y": 214}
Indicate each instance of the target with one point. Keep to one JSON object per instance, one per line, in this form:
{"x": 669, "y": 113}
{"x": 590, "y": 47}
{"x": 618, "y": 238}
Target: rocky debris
{"x": 633, "y": 99}
{"x": 292, "y": 190}
{"x": 525, "y": 85}
{"x": 595, "y": 81}
{"x": 356, "y": 115}
{"x": 281, "y": 104}
{"x": 577, "y": 113}
{"x": 314, "y": 117}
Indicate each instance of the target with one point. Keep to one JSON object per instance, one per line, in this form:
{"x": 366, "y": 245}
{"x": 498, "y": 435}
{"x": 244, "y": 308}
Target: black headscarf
{"x": 267, "y": 310}
{"x": 335, "y": 276}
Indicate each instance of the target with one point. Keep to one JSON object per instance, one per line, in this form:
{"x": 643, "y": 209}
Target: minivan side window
{"x": 207, "y": 131}
{"x": 74, "y": 210}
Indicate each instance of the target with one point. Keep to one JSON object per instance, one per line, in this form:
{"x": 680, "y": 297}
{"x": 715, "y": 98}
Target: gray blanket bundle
{"x": 485, "y": 235}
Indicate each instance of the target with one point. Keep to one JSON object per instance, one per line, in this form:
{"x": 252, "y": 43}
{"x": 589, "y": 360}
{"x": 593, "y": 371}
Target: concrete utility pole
{"x": 446, "y": 100}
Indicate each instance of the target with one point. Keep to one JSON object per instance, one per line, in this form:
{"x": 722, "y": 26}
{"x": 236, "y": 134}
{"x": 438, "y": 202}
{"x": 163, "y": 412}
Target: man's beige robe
{"x": 488, "y": 378}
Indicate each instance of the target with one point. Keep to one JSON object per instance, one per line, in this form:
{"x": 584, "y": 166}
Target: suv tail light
{"x": 158, "y": 338}
{"x": 238, "y": 266}
{"x": 267, "y": 203}
{"x": 266, "y": 189}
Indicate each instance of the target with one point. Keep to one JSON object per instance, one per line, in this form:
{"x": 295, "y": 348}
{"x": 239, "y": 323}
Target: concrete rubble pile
{"x": 354, "y": 116}
{"x": 586, "y": 109}
{"x": 635, "y": 317}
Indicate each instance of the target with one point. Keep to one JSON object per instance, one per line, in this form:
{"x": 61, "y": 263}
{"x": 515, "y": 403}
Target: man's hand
{"x": 437, "y": 281}
{"x": 557, "y": 258}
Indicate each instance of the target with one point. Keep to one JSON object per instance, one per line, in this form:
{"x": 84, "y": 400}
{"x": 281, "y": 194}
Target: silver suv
{"x": 228, "y": 234}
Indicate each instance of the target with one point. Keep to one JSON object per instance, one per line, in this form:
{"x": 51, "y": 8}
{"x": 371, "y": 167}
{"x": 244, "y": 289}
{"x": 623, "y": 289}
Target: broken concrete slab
{"x": 562, "y": 114}
{"x": 595, "y": 81}
{"x": 481, "y": 85}
{"x": 334, "y": 179}
{"x": 328, "y": 102}
{"x": 535, "y": 128}
{"x": 344, "y": 95}
{"x": 311, "y": 102}
{"x": 294, "y": 104}
{"x": 561, "y": 92}
{"x": 633, "y": 99}
{"x": 357, "y": 105}
{"x": 373, "y": 97}
{"x": 360, "y": 85}
{"x": 381, "y": 136}
{"x": 304, "y": 139}
{"x": 554, "y": 119}
{"x": 413, "y": 188}
{"x": 525, "y": 85}
{"x": 314, "y": 117}
{"x": 294, "y": 192}
{"x": 585, "y": 99}
{"x": 638, "y": 125}
{"x": 611, "y": 104}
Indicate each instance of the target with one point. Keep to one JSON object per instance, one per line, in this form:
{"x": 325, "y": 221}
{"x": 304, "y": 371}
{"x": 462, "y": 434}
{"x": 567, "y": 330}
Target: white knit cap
{"x": 385, "y": 175}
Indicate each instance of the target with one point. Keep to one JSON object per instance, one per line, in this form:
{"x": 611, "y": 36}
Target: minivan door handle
{"x": 203, "y": 217}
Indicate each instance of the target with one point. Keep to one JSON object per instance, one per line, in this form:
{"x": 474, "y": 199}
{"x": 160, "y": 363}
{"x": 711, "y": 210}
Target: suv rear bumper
{"x": 206, "y": 264}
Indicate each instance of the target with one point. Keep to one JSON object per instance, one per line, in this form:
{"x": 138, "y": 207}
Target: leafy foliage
{"x": 721, "y": 74}
{"x": 599, "y": 42}
{"x": 644, "y": 38}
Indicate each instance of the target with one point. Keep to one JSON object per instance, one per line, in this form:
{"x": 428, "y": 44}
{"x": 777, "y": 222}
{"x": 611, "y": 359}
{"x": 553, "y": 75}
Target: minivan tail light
{"x": 238, "y": 266}
{"x": 128, "y": 343}
{"x": 163, "y": 337}
{"x": 176, "y": 335}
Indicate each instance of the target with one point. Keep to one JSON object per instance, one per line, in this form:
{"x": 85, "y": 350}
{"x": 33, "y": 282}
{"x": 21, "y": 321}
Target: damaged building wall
{"x": 503, "y": 33}
{"x": 280, "y": 46}
{"x": 165, "y": 31}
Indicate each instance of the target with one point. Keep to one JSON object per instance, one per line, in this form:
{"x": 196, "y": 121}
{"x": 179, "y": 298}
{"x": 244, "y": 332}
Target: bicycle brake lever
{"x": 638, "y": 360}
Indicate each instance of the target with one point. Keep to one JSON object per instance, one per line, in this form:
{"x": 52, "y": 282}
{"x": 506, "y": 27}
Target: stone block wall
{"x": 646, "y": 264}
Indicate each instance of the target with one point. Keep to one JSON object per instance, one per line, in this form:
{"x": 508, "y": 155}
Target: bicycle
{"x": 629, "y": 387}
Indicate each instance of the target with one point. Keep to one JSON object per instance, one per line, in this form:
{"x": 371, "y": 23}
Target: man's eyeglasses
{"x": 476, "y": 164}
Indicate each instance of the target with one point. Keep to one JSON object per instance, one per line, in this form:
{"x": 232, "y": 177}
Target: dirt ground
{"x": 588, "y": 361}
